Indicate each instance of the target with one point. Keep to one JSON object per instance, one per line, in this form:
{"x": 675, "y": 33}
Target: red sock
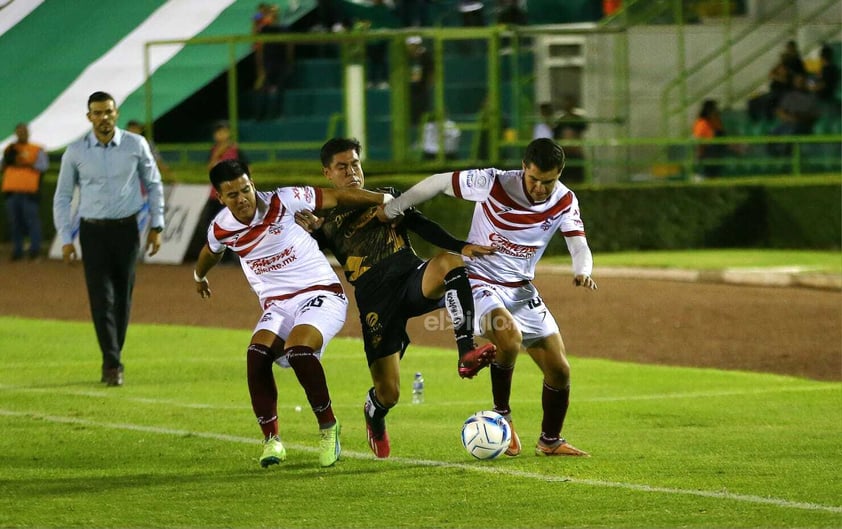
{"x": 555, "y": 402}
{"x": 262, "y": 388}
{"x": 501, "y": 387}
{"x": 311, "y": 376}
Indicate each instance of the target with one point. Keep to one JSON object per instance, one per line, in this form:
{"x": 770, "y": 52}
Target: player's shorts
{"x": 524, "y": 303}
{"x": 387, "y": 296}
{"x": 323, "y": 309}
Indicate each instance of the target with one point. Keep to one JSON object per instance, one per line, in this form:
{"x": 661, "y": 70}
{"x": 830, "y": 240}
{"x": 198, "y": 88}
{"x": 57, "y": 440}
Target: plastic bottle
{"x": 418, "y": 389}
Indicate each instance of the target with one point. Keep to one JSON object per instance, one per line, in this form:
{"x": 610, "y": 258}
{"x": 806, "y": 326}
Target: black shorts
{"x": 387, "y": 296}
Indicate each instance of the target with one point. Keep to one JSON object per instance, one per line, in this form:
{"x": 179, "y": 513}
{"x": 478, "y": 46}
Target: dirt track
{"x": 793, "y": 331}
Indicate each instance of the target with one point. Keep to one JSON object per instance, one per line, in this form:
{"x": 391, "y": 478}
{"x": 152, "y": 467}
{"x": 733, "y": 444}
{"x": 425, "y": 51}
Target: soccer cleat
{"x": 559, "y": 448}
{"x": 273, "y": 451}
{"x": 378, "y": 444}
{"x": 329, "y": 447}
{"x": 471, "y": 362}
{"x": 514, "y": 445}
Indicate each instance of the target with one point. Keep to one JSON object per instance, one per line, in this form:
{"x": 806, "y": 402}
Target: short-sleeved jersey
{"x": 359, "y": 241}
{"x": 279, "y": 258}
{"x": 506, "y": 218}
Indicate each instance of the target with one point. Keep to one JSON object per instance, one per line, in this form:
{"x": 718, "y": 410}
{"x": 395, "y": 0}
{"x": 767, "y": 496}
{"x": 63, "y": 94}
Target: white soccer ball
{"x": 486, "y": 434}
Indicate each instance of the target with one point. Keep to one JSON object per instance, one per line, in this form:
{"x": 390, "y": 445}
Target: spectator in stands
{"x": 138, "y": 128}
{"x": 473, "y": 16}
{"x": 434, "y": 141}
{"x": 796, "y": 114}
{"x": 277, "y": 63}
{"x": 763, "y": 107}
{"x": 572, "y": 125}
{"x": 379, "y": 15}
{"x": 414, "y": 13}
{"x": 825, "y": 84}
{"x": 261, "y": 18}
{"x": 546, "y": 122}
{"x": 420, "y": 78}
{"x": 511, "y": 13}
{"x": 224, "y": 148}
{"x": 708, "y": 125}
{"x": 23, "y": 167}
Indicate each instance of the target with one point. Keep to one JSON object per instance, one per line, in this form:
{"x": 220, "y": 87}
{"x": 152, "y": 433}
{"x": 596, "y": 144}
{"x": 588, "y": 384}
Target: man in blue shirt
{"x": 115, "y": 173}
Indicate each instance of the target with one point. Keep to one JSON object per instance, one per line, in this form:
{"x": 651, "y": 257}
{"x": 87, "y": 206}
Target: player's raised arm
{"x": 420, "y": 192}
{"x": 351, "y": 197}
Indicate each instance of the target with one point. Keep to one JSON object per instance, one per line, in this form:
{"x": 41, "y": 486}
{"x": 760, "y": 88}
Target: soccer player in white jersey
{"x": 518, "y": 212}
{"x": 302, "y": 299}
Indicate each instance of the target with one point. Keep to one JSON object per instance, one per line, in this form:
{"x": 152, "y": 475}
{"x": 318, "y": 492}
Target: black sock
{"x": 459, "y": 304}
{"x": 376, "y": 413}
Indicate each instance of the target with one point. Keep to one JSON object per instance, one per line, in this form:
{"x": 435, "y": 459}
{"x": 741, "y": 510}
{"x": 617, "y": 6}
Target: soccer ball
{"x": 486, "y": 434}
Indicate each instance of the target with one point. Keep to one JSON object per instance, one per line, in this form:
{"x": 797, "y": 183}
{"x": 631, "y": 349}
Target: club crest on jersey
{"x": 276, "y": 228}
{"x": 305, "y": 192}
{"x": 476, "y": 180}
{"x": 546, "y": 224}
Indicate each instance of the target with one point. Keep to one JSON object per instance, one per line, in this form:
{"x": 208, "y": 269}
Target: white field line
{"x": 110, "y": 393}
{"x": 722, "y": 495}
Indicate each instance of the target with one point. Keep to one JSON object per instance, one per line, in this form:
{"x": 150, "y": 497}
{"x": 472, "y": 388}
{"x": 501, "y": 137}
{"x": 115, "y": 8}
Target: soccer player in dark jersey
{"x": 392, "y": 284}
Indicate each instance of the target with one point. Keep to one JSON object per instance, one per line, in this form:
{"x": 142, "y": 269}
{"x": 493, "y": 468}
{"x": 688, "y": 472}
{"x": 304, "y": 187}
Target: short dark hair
{"x": 334, "y": 146}
{"x": 227, "y": 170}
{"x": 99, "y": 97}
{"x": 545, "y": 154}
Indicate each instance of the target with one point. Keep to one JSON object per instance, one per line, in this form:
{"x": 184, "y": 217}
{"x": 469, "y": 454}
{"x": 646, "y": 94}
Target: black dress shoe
{"x": 113, "y": 376}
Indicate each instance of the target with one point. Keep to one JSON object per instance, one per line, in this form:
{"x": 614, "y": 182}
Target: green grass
{"x": 177, "y": 446}
{"x": 808, "y": 261}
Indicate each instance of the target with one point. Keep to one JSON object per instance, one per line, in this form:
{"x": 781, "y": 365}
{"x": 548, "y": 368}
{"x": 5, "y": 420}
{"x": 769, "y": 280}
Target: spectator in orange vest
{"x": 23, "y": 165}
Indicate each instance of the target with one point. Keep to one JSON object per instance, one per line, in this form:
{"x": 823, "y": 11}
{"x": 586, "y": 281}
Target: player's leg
{"x": 445, "y": 276}
{"x": 264, "y": 393}
{"x": 548, "y": 352}
{"x": 502, "y": 329}
{"x": 317, "y": 320}
{"x": 383, "y": 396}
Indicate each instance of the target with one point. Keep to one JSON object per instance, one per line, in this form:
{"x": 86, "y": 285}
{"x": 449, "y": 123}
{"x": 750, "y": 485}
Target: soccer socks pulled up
{"x": 311, "y": 375}
{"x": 555, "y": 403}
{"x": 262, "y": 388}
{"x": 459, "y": 304}
{"x": 501, "y": 387}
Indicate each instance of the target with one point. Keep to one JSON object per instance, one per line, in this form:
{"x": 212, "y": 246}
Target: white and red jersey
{"x": 279, "y": 258}
{"x": 506, "y": 218}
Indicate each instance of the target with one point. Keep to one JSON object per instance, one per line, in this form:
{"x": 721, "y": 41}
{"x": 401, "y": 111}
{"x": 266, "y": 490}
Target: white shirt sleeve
{"x": 581, "y": 254}
{"x": 420, "y": 192}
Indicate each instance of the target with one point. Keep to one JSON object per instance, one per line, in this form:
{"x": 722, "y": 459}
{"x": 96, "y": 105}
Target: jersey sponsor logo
{"x": 361, "y": 221}
{"x": 507, "y": 247}
{"x": 272, "y": 263}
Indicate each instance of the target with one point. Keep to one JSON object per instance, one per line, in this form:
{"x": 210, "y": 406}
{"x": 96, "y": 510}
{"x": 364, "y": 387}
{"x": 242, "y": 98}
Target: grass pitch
{"x": 178, "y": 445}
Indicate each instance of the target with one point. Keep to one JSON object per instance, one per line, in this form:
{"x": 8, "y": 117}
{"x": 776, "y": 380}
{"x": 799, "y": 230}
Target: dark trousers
{"x": 109, "y": 254}
{"x": 24, "y": 220}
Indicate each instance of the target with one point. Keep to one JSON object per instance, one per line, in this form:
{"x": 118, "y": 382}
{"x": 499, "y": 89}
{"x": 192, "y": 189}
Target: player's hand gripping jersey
{"x": 506, "y": 218}
{"x": 279, "y": 258}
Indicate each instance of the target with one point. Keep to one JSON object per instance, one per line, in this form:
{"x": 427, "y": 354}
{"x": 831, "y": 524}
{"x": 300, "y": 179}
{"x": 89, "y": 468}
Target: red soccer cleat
{"x": 474, "y": 360}
{"x": 378, "y": 444}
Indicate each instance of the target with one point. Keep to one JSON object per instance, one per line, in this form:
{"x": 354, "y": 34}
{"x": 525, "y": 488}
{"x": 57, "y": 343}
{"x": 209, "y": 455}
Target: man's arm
{"x": 582, "y": 261}
{"x": 62, "y": 218}
{"x": 351, "y": 197}
{"x": 206, "y": 260}
{"x": 434, "y": 233}
{"x": 420, "y": 192}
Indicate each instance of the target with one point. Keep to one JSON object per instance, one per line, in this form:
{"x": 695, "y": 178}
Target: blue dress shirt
{"x": 114, "y": 181}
